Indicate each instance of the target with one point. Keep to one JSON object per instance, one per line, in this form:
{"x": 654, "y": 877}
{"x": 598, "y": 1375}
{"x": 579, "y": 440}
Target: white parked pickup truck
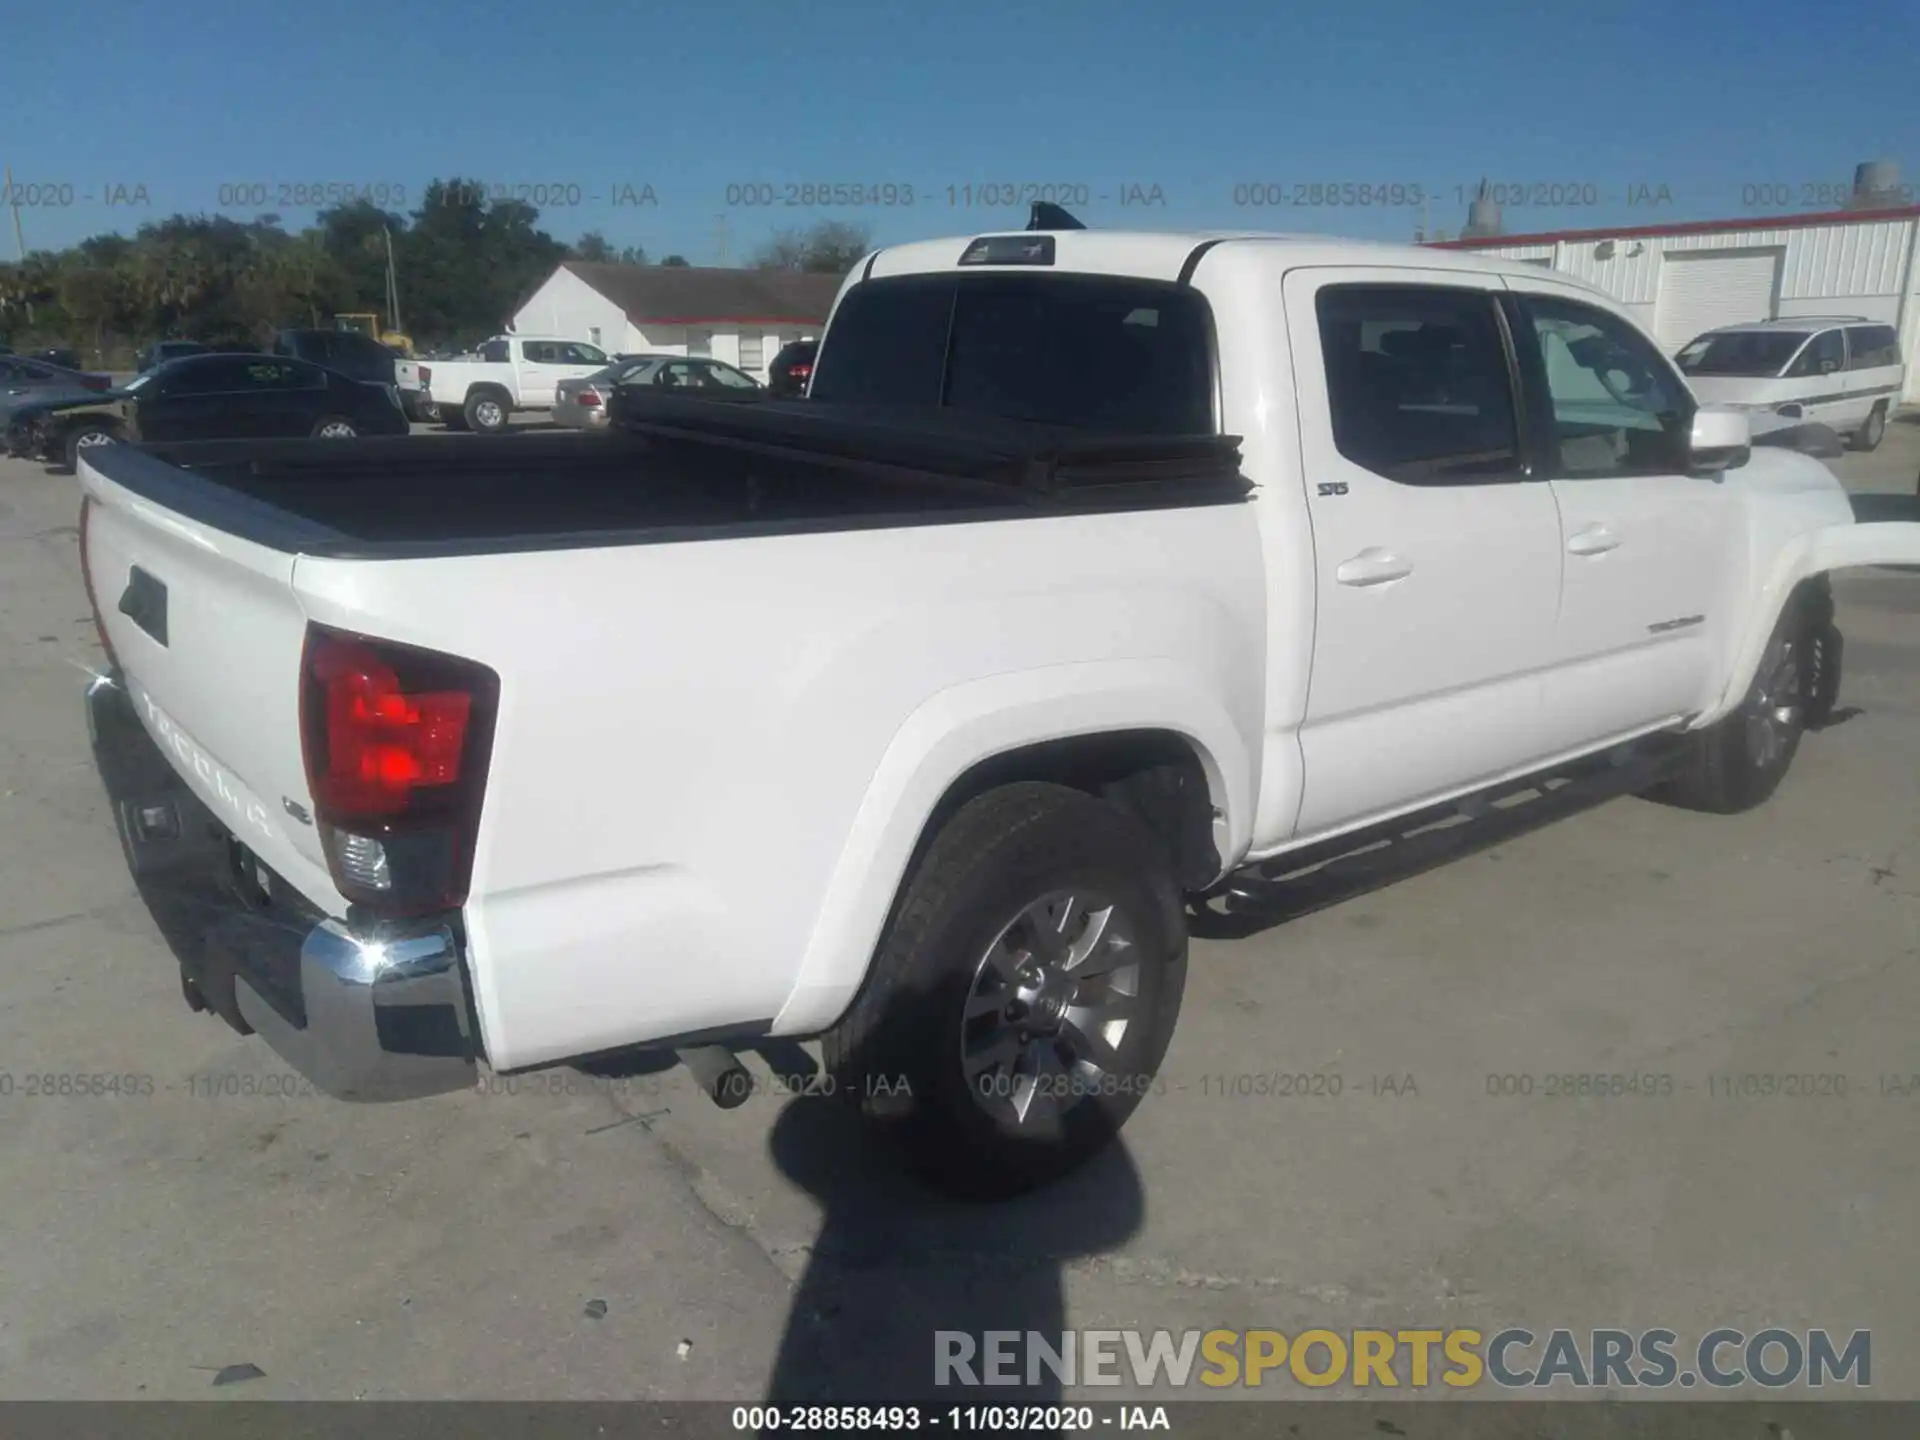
{"x": 511, "y": 373}
{"x": 1102, "y": 577}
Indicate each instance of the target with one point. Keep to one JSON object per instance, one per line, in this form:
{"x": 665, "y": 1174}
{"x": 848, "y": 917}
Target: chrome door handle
{"x": 1594, "y": 540}
{"x": 1372, "y": 566}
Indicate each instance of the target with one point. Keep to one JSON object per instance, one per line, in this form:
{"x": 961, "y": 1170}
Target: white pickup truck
{"x": 1102, "y": 576}
{"x": 510, "y": 373}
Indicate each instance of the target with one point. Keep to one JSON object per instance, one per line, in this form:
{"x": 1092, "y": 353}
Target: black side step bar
{"x": 1268, "y": 892}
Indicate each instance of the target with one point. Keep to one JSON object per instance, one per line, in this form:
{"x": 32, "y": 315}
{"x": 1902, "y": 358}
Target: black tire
{"x": 83, "y": 437}
{"x": 486, "y": 413}
{"x": 898, "y": 1050}
{"x": 334, "y": 422}
{"x": 1737, "y": 763}
{"x": 1872, "y": 430}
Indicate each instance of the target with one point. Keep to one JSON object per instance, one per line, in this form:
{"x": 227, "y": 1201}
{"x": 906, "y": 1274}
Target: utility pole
{"x": 19, "y": 238}
{"x": 393, "y": 283}
{"x": 720, "y": 238}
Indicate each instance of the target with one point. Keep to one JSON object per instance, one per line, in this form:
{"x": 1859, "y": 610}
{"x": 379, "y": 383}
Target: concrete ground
{"x": 565, "y": 1236}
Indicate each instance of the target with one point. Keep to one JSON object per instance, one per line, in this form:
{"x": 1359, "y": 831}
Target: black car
{"x": 59, "y": 427}
{"x": 162, "y": 351}
{"x": 63, "y": 358}
{"x": 25, "y": 381}
{"x": 214, "y": 397}
{"x": 787, "y": 376}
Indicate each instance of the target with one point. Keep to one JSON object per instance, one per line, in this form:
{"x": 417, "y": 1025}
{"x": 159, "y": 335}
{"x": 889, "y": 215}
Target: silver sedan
{"x": 582, "y": 404}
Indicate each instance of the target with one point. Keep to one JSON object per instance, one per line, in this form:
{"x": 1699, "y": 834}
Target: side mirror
{"x": 1722, "y": 437}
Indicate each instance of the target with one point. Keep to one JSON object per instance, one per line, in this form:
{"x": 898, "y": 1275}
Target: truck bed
{"x": 669, "y": 469}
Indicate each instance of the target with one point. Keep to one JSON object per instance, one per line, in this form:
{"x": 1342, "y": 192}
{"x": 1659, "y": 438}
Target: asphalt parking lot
{"x": 585, "y": 1237}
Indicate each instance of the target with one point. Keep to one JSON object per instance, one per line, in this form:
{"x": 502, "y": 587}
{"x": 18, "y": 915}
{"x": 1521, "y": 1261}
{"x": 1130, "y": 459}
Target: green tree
{"x": 462, "y": 263}
{"x": 593, "y": 247}
{"x": 830, "y": 248}
{"x": 468, "y": 263}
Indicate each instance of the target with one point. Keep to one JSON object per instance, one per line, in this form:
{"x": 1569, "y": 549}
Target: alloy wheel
{"x": 1773, "y": 709}
{"x": 1052, "y": 1002}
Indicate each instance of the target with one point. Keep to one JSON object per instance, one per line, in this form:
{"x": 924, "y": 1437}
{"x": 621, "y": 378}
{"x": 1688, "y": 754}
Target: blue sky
{"x": 1706, "y": 98}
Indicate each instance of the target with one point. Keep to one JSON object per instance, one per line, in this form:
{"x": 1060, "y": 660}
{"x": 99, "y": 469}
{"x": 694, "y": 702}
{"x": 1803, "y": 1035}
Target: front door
{"x": 1437, "y": 555}
{"x": 190, "y": 400}
{"x": 1647, "y": 544}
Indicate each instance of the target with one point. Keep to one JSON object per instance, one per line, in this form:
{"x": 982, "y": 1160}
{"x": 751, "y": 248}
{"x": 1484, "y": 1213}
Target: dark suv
{"x": 350, "y": 353}
{"x": 787, "y": 376}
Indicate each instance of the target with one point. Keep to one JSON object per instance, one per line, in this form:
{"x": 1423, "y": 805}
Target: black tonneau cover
{"x": 669, "y": 468}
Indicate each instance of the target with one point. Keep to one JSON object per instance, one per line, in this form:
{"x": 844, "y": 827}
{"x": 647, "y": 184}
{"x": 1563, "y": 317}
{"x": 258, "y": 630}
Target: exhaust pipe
{"x": 722, "y": 1077}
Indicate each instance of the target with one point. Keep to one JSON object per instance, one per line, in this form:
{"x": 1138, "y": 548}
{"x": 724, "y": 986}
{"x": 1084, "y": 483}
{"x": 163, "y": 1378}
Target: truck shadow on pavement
{"x": 893, "y": 1264}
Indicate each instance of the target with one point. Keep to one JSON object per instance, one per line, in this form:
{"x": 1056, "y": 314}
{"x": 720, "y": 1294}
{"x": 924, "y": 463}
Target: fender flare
{"x": 947, "y": 736}
{"x": 1806, "y": 556}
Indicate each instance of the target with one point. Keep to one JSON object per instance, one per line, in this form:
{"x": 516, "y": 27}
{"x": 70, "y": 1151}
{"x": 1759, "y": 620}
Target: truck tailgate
{"x": 208, "y": 635}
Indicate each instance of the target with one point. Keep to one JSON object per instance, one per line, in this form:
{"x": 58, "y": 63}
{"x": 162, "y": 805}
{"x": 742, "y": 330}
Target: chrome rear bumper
{"x": 368, "y": 1012}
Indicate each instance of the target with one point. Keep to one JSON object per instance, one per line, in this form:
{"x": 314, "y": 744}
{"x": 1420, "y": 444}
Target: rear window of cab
{"x": 1090, "y": 352}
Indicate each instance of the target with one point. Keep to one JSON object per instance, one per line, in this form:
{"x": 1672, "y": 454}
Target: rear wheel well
{"x": 1154, "y": 775}
{"x": 1813, "y": 598}
{"x": 1815, "y": 594}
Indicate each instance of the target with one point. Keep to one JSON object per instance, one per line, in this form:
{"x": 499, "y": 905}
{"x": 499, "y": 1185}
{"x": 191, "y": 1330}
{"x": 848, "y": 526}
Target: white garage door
{"x": 1702, "y": 292}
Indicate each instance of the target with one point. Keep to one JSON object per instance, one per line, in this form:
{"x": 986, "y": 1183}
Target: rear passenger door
{"x": 286, "y": 398}
{"x": 1437, "y": 553}
{"x": 1820, "y": 382}
{"x": 1648, "y": 545}
{"x": 540, "y": 375}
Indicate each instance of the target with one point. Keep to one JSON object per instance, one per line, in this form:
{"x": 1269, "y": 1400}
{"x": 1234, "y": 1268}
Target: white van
{"x": 1842, "y": 371}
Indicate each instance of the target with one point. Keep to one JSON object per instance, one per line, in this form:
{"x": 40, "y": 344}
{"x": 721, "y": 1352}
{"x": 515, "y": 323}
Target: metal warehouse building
{"x": 1680, "y": 279}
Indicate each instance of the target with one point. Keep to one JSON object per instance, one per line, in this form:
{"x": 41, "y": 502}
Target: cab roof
{"x": 1167, "y": 254}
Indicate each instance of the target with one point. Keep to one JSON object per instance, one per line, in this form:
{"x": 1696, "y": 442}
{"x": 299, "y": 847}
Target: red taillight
{"x": 589, "y": 397}
{"x": 801, "y": 372}
{"x": 382, "y": 743}
{"x": 396, "y": 741}
{"x": 86, "y": 577}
